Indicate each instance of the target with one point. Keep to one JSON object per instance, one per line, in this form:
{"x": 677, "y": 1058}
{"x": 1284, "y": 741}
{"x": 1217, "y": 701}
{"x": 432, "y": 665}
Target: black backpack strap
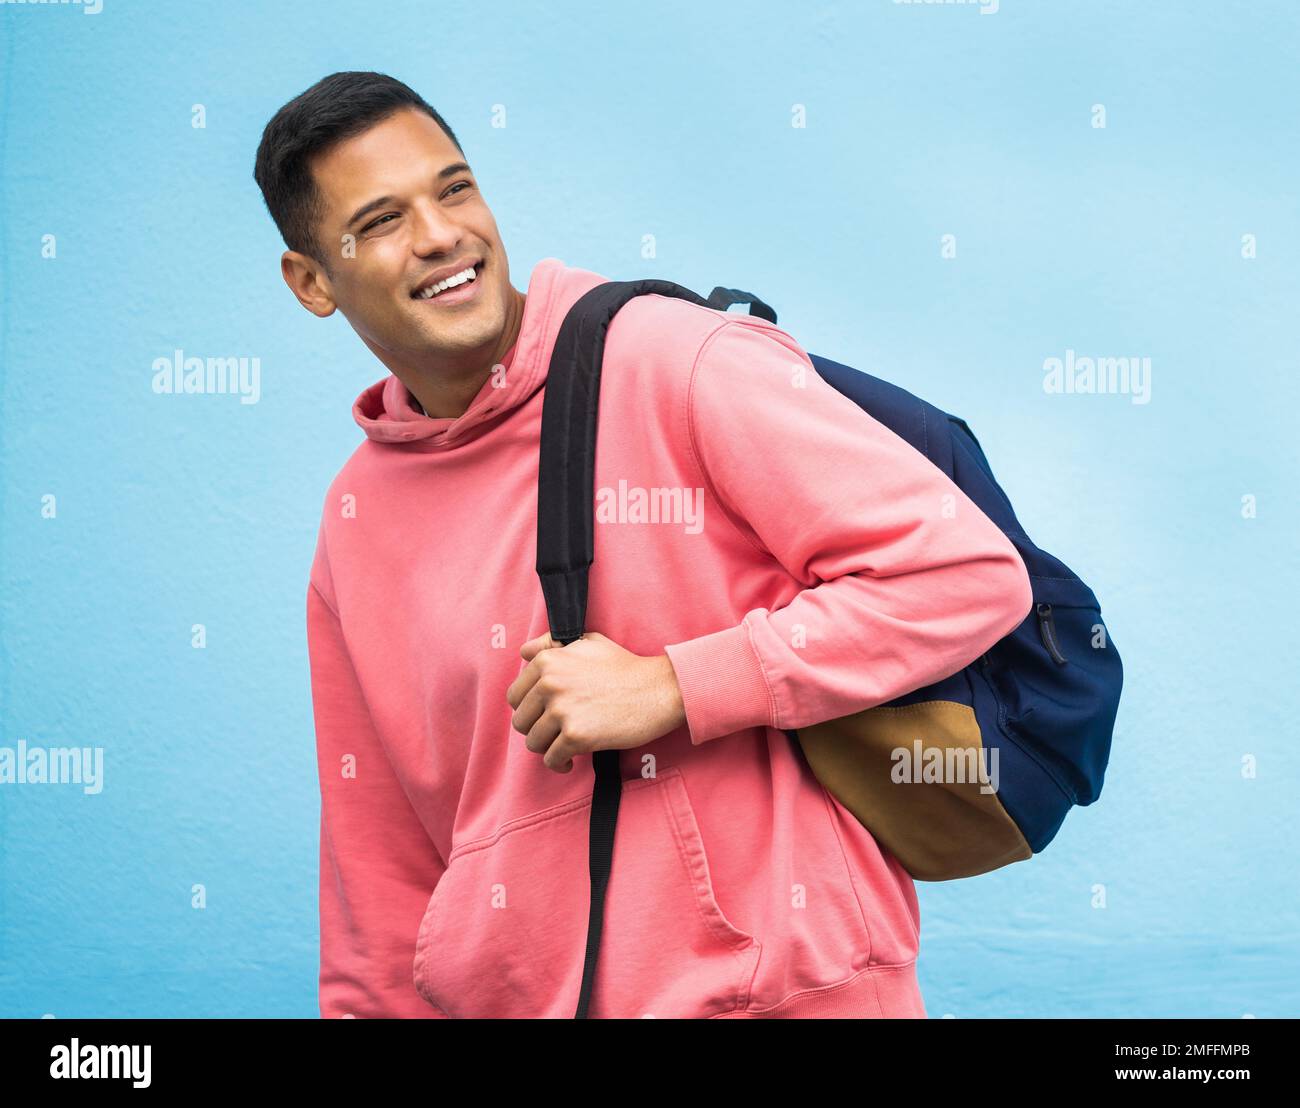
{"x": 722, "y": 299}
{"x": 565, "y": 495}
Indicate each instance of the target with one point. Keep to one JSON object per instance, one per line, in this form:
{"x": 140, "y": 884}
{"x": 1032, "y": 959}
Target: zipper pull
{"x": 1047, "y": 628}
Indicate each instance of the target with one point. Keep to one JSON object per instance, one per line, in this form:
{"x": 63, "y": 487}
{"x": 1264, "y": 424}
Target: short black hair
{"x": 335, "y": 108}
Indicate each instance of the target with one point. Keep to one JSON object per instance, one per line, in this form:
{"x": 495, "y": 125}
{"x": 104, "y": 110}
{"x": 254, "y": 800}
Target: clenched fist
{"x": 591, "y": 695}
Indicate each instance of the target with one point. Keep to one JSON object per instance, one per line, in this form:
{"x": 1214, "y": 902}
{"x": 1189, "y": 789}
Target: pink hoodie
{"x": 806, "y": 564}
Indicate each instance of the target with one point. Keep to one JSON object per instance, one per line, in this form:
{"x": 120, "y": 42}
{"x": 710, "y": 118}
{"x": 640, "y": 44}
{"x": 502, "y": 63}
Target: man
{"x": 767, "y": 556}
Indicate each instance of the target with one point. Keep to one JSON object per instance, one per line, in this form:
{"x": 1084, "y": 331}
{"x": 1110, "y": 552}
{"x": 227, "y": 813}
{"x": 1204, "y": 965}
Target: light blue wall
{"x": 671, "y": 120}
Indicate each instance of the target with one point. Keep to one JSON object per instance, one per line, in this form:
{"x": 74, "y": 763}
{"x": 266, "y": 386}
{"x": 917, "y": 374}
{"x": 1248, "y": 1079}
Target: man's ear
{"x": 308, "y": 282}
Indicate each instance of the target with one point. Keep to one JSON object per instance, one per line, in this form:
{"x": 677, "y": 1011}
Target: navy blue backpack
{"x": 1006, "y": 746}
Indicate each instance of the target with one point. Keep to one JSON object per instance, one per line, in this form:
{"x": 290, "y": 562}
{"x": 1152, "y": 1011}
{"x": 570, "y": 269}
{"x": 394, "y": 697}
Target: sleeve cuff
{"x": 722, "y": 684}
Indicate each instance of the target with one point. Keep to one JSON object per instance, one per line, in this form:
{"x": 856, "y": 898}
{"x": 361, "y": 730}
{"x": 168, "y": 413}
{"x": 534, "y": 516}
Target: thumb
{"x": 535, "y": 646}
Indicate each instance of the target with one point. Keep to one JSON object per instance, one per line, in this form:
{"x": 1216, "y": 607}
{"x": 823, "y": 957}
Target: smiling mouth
{"x": 424, "y": 294}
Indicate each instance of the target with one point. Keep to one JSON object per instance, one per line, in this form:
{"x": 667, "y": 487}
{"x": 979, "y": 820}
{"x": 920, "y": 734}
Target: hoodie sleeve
{"x": 378, "y": 866}
{"x": 905, "y": 580}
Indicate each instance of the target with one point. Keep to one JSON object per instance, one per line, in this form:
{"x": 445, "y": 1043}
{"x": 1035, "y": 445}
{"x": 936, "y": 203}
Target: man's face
{"x": 413, "y": 211}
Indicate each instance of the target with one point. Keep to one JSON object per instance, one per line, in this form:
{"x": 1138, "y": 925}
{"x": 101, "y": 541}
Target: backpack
{"x": 1040, "y": 704}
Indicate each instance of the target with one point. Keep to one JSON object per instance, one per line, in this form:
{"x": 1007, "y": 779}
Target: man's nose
{"x": 433, "y": 232}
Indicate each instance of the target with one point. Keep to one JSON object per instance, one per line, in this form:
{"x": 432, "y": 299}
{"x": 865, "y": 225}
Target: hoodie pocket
{"x": 504, "y": 933}
{"x": 667, "y": 950}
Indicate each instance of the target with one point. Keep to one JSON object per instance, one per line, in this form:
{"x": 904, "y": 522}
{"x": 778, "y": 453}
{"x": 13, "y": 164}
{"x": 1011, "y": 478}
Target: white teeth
{"x": 450, "y": 283}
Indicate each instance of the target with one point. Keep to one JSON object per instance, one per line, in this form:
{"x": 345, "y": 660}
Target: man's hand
{"x": 591, "y": 695}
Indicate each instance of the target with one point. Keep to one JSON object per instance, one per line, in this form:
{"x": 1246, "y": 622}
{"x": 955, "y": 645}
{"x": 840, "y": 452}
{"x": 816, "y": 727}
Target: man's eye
{"x": 392, "y": 215}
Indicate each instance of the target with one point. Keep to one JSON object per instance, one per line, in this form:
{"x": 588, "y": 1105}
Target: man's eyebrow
{"x": 370, "y": 206}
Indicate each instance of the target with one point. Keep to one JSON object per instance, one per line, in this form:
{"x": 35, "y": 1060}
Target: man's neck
{"x": 439, "y": 398}
{"x": 442, "y": 399}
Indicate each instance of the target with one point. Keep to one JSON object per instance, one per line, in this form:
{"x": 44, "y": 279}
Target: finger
{"x": 559, "y": 755}
{"x": 542, "y": 734}
{"x": 535, "y": 646}
{"x": 521, "y": 685}
{"x": 529, "y": 710}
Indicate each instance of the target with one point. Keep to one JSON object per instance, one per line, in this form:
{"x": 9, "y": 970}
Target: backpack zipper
{"x": 1047, "y": 628}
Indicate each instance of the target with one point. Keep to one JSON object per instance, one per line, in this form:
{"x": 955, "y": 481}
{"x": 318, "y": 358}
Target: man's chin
{"x": 453, "y": 341}
{"x": 444, "y": 321}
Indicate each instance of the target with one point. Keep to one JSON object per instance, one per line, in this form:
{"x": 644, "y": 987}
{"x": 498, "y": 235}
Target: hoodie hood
{"x": 388, "y": 413}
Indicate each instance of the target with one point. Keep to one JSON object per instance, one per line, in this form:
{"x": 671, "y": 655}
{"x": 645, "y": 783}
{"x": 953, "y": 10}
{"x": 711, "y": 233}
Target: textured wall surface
{"x": 1174, "y": 895}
